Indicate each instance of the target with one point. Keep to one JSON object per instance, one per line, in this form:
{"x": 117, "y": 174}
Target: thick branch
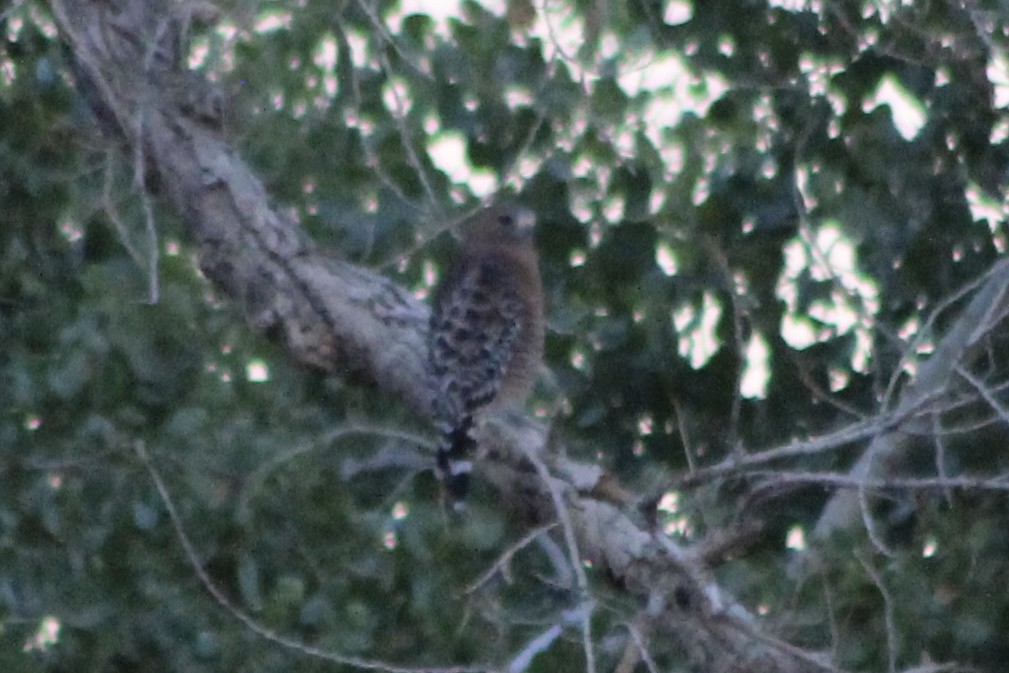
{"x": 352, "y": 322}
{"x": 338, "y": 317}
{"x": 962, "y": 344}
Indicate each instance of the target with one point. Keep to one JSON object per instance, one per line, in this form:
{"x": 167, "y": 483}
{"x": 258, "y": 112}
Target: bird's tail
{"x": 454, "y": 463}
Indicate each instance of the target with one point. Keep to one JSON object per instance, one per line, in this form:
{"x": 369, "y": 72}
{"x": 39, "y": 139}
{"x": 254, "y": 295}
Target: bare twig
{"x": 111, "y": 210}
{"x": 574, "y": 556}
{"x": 251, "y": 624}
{"x": 385, "y": 36}
{"x": 817, "y": 391}
{"x": 940, "y": 455}
{"x": 738, "y": 325}
{"x": 847, "y": 481}
{"x": 986, "y": 393}
{"x": 856, "y": 432}
{"x": 503, "y": 562}
{"x": 888, "y": 612}
{"x": 15, "y": 6}
{"x": 688, "y": 450}
{"x": 152, "y": 248}
{"x": 400, "y": 117}
{"x": 540, "y": 643}
{"x": 255, "y": 479}
{"x": 639, "y": 642}
{"x": 371, "y": 158}
{"x": 870, "y": 524}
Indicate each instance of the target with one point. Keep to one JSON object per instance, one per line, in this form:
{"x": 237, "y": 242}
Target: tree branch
{"x": 352, "y": 322}
{"x": 341, "y": 318}
{"x": 962, "y": 344}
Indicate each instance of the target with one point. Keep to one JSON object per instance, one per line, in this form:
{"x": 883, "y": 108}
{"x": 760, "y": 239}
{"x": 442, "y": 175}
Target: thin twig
{"x": 152, "y": 239}
{"x": 798, "y": 653}
{"x": 870, "y": 523}
{"x": 992, "y": 401}
{"x": 10, "y": 10}
{"x": 371, "y": 158}
{"x": 888, "y": 617}
{"x": 139, "y": 170}
{"x": 849, "y": 434}
{"x": 111, "y": 211}
{"x": 802, "y": 369}
{"x": 642, "y": 647}
{"x": 835, "y": 631}
{"x": 504, "y": 560}
{"x": 716, "y": 253}
{"x": 384, "y": 35}
{"x": 925, "y": 332}
{"x": 836, "y": 480}
{"x": 261, "y": 473}
{"x": 684, "y": 438}
{"x": 940, "y": 455}
{"x": 269, "y": 634}
{"x": 400, "y": 116}
{"x": 573, "y": 554}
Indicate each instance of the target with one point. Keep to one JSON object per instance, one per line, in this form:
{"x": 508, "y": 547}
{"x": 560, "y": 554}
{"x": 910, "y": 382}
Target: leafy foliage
{"x": 736, "y": 175}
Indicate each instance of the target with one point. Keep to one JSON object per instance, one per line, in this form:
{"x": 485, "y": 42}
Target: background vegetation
{"x": 758, "y": 220}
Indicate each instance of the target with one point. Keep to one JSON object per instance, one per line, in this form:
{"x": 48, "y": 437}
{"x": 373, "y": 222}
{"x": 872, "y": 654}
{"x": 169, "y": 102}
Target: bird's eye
{"x": 506, "y": 221}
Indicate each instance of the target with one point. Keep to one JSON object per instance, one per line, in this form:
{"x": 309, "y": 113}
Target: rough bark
{"x": 959, "y": 349}
{"x": 333, "y": 315}
{"x": 352, "y": 322}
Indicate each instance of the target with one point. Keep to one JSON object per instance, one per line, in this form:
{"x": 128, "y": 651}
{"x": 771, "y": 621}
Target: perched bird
{"x": 485, "y": 342}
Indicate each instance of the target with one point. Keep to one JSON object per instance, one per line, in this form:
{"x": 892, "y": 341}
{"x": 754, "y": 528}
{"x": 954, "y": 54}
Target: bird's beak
{"x": 525, "y": 221}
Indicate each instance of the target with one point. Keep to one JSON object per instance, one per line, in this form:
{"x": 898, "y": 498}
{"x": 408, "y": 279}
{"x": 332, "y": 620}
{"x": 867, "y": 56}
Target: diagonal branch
{"x": 962, "y": 344}
{"x": 354, "y": 323}
{"x": 334, "y": 316}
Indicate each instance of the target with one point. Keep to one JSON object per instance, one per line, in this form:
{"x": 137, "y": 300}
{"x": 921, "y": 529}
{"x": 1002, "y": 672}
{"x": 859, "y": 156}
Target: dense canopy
{"x": 772, "y": 428}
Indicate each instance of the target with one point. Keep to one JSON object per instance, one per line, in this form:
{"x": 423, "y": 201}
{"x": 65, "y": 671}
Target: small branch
{"x": 850, "y": 434}
{"x": 940, "y": 455}
{"x": 888, "y": 615}
{"x": 847, "y": 481}
{"x": 400, "y": 116}
{"x": 638, "y": 637}
{"x": 998, "y": 407}
{"x": 524, "y": 659}
{"x": 870, "y": 525}
{"x": 262, "y": 473}
{"x": 688, "y": 450}
{"x": 503, "y": 562}
{"x": 251, "y": 624}
{"x": 573, "y": 555}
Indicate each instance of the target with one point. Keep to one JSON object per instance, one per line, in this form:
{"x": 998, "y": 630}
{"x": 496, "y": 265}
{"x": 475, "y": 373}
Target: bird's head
{"x": 505, "y": 223}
